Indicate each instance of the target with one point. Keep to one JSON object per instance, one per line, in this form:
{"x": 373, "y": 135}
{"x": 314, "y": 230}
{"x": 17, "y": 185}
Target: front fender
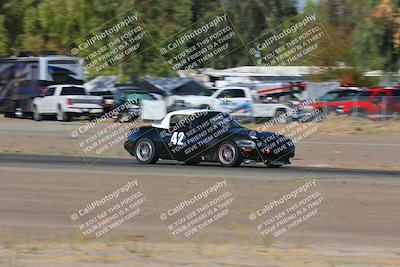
{"x": 244, "y": 143}
{"x": 143, "y": 132}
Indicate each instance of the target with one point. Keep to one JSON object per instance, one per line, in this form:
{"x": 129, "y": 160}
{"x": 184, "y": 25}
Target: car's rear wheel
{"x": 62, "y": 116}
{"x": 145, "y": 151}
{"x": 229, "y": 154}
{"x": 9, "y": 115}
{"x": 280, "y": 117}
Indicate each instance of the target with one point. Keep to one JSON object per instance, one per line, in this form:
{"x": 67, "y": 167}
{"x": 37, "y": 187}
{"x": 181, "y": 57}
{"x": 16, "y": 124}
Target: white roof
{"x": 266, "y": 71}
{"x": 65, "y": 85}
{"x": 48, "y": 57}
{"x": 164, "y": 124}
{"x": 380, "y": 73}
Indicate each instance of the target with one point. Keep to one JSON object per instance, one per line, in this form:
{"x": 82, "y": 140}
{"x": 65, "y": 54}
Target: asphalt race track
{"x": 36, "y": 192}
{"x": 164, "y": 167}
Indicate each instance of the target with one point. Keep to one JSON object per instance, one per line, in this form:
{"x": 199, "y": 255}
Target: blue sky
{"x": 301, "y": 3}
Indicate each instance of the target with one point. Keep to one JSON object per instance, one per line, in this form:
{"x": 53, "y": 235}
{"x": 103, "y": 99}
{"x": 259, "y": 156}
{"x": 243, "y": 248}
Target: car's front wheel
{"x": 145, "y": 151}
{"x": 229, "y": 154}
{"x": 36, "y": 115}
{"x": 124, "y": 117}
{"x": 358, "y": 113}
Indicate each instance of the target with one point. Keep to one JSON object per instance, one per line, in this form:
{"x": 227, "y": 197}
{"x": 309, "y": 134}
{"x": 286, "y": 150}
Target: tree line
{"x": 366, "y": 33}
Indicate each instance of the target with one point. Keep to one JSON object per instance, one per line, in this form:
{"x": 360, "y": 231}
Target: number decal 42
{"x": 177, "y": 138}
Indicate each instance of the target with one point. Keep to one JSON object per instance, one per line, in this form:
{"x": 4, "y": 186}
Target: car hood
{"x": 266, "y": 136}
{"x": 255, "y": 135}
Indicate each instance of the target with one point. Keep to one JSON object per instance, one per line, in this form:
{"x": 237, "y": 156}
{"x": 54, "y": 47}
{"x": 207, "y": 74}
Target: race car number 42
{"x": 177, "y": 138}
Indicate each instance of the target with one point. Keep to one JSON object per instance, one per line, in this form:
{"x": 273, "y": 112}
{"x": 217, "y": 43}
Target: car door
{"x": 45, "y": 103}
{"x": 395, "y": 100}
{"x": 262, "y": 110}
{"x": 234, "y": 101}
{"x": 329, "y": 101}
{"x": 175, "y": 137}
{"x": 379, "y": 103}
{"x": 341, "y": 97}
{"x": 54, "y": 99}
{"x": 335, "y": 102}
{"x": 207, "y": 132}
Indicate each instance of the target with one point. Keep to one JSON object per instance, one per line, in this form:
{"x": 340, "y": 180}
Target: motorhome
{"x": 23, "y": 78}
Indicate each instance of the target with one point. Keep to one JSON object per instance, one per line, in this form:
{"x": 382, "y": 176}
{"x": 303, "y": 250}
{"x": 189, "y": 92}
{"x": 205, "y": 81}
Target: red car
{"x": 374, "y": 102}
{"x": 333, "y": 99}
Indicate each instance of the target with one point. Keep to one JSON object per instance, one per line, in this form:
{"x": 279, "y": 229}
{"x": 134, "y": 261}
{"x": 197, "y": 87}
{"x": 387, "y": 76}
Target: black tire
{"x": 231, "y": 156}
{"x": 396, "y": 116}
{"x": 358, "y": 114}
{"x": 62, "y": 116}
{"x": 36, "y": 115}
{"x": 93, "y": 117}
{"x": 26, "y": 115}
{"x": 280, "y": 113}
{"x": 9, "y": 115}
{"x": 319, "y": 116}
{"x": 142, "y": 156}
{"x": 67, "y": 117}
{"x": 124, "y": 117}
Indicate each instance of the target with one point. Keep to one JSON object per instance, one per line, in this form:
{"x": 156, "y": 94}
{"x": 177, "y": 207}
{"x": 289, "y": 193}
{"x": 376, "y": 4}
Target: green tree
{"x": 32, "y": 39}
{"x": 253, "y": 19}
{"x": 38, "y": 25}
{"x": 376, "y": 43}
{"x": 3, "y": 37}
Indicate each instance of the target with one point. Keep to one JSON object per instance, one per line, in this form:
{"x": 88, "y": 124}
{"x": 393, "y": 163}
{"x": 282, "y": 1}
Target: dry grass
{"x": 344, "y": 125}
{"x": 177, "y": 254}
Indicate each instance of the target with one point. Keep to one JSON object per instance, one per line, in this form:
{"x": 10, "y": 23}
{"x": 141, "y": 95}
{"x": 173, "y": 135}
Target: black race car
{"x": 193, "y": 136}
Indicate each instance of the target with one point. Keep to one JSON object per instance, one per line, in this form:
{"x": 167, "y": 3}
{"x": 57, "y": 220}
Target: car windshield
{"x": 101, "y": 93}
{"x": 222, "y": 119}
{"x": 208, "y": 92}
{"x": 364, "y": 95}
{"x": 136, "y": 95}
{"x": 73, "y": 91}
{"x": 330, "y": 96}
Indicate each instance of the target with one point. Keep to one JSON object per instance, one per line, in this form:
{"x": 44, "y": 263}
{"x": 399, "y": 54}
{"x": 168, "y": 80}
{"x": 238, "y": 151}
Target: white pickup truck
{"x": 239, "y": 101}
{"x": 66, "y": 102}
